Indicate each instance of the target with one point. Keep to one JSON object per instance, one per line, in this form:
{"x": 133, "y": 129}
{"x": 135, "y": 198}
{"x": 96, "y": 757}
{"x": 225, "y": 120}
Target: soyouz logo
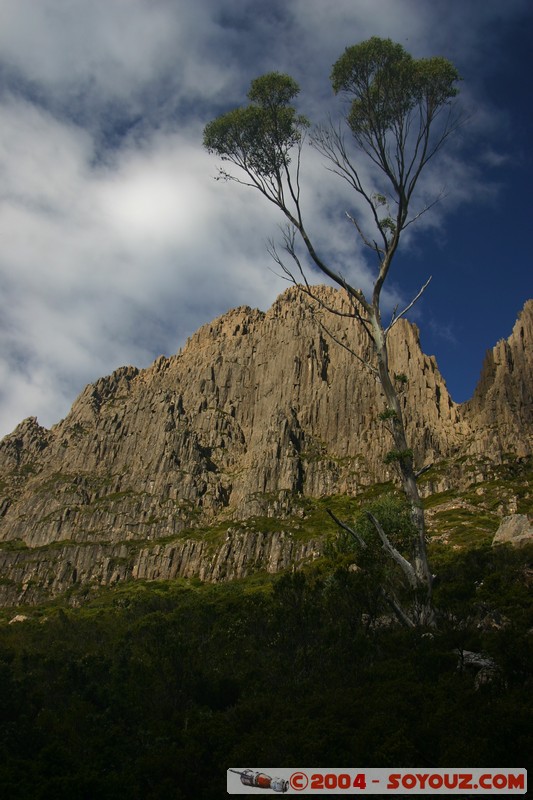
{"x": 377, "y": 781}
{"x": 260, "y": 780}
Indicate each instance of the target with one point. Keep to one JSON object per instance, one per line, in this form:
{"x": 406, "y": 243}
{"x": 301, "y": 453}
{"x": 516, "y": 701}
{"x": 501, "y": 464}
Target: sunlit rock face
{"x": 500, "y": 413}
{"x": 258, "y": 410}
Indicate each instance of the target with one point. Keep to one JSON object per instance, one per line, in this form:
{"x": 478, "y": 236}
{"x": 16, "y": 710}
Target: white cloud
{"x": 109, "y": 50}
{"x": 108, "y": 265}
{"x": 444, "y": 330}
{"x": 491, "y": 158}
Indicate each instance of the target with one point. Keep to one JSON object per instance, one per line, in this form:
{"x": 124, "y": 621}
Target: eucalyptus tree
{"x": 398, "y": 115}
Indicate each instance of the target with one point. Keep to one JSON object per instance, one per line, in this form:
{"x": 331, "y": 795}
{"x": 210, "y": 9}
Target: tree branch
{"x": 357, "y": 536}
{"x": 289, "y": 236}
{"x": 427, "y": 207}
{"x": 371, "y": 245}
{"x": 398, "y": 610}
{"x": 396, "y": 317}
{"x": 424, "y": 469}
{"x": 393, "y": 553}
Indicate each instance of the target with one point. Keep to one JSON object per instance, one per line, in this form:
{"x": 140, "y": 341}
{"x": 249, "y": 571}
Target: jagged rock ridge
{"x": 500, "y": 413}
{"x": 256, "y": 410}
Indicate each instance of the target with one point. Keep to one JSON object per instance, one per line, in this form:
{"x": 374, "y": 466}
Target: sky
{"x": 116, "y": 242}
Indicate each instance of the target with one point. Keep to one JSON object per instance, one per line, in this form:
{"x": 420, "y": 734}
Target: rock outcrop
{"x": 36, "y": 574}
{"x": 257, "y": 410}
{"x": 500, "y": 413}
{"x": 515, "y": 529}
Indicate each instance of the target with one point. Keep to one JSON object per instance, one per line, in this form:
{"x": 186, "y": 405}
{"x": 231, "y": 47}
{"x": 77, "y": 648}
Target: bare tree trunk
{"x": 404, "y": 460}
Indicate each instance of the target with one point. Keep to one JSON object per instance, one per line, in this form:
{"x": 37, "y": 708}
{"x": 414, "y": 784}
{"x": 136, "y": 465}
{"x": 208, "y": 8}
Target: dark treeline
{"x": 153, "y": 691}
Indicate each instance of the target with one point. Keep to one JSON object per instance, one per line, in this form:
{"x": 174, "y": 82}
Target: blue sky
{"x": 117, "y": 243}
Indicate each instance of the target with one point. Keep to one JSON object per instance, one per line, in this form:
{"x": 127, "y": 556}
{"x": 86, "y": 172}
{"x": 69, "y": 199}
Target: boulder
{"x": 516, "y": 529}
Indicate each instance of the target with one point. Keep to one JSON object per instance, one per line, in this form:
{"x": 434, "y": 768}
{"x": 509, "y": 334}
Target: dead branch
{"x": 342, "y": 344}
{"x": 372, "y": 245}
{"x": 429, "y": 206}
{"x": 357, "y": 536}
{"x": 406, "y": 567}
{"x": 424, "y": 469}
{"x": 398, "y": 610}
{"x": 396, "y": 317}
{"x": 305, "y": 287}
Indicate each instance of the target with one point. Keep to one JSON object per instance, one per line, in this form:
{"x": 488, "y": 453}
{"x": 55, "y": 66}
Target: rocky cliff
{"x": 500, "y": 413}
{"x": 257, "y": 411}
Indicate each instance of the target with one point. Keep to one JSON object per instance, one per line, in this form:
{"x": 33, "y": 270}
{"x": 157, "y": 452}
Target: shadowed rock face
{"x": 38, "y": 574}
{"x": 256, "y": 410}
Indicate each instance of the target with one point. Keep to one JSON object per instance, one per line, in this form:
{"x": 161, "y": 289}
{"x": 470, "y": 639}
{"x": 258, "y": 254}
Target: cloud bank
{"x": 116, "y": 241}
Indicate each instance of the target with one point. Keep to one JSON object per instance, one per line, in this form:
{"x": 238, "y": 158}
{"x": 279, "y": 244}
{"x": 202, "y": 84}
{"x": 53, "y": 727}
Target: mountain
{"x": 202, "y": 464}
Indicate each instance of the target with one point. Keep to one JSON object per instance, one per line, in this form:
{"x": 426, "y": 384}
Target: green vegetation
{"x": 152, "y": 690}
{"x": 398, "y": 456}
{"x": 13, "y": 545}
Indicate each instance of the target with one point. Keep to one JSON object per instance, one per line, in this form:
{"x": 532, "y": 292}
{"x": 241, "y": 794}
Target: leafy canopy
{"x": 387, "y": 83}
{"x": 393, "y": 514}
{"x": 258, "y": 138}
{"x": 394, "y": 98}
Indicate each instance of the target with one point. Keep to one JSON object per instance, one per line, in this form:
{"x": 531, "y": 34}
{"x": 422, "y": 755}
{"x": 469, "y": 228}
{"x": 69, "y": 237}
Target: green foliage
{"x": 369, "y": 62}
{"x": 273, "y": 91}
{"x": 388, "y": 224}
{"x": 259, "y": 137}
{"x": 393, "y": 456}
{"x": 388, "y": 85}
{"x": 379, "y": 199}
{"x": 13, "y": 545}
{"x": 378, "y": 575}
{"x": 392, "y": 512}
{"x": 153, "y": 690}
{"x": 401, "y": 377}
{"x": 487, "y": 589}
{"x": 390, "y": 413}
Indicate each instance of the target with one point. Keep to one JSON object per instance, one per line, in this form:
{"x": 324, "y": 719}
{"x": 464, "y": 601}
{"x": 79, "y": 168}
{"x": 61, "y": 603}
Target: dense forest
{"x": 153, "y": 690}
